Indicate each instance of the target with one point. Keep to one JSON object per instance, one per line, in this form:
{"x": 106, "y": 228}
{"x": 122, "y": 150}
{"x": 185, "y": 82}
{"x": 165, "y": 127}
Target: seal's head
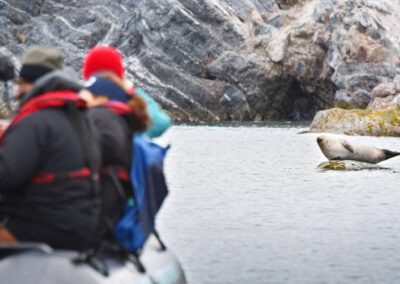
{"x": 321, "y": 140}
{"x": 330, "y": 147}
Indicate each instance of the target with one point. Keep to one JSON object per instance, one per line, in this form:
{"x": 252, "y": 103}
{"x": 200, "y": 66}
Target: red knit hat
{"x": 103, "y": 58}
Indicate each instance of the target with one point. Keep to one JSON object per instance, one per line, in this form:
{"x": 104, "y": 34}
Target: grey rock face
{"x": 386, "y": 95}
{"x": 216, "y": 60}
{"x": 364, "y": 47}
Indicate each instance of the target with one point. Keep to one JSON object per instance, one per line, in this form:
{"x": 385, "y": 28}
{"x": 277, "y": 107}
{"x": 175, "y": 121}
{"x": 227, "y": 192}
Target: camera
{"x": 7, "y": 71}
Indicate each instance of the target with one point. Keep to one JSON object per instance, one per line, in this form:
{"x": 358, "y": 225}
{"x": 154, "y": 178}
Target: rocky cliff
{"x": 216, "y": 60}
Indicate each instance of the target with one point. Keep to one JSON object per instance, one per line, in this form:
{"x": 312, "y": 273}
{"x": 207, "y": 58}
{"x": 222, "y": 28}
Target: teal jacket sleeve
{"x": 160, "y": 121}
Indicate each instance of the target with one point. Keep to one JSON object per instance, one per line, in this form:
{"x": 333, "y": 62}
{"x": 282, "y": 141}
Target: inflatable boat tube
{"x": 39, "y": 264}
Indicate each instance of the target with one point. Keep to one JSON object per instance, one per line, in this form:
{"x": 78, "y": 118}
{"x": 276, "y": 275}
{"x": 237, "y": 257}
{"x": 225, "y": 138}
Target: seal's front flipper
{"x": 336, "y": 159}
{"x": 346, "y": 145}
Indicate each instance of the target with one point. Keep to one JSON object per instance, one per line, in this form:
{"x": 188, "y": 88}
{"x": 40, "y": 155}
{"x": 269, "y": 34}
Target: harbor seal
{"x": 340, "y": 149}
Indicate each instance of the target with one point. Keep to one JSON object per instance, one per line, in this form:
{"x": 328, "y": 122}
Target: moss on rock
{"x": 348, "y": 165}
{"x": 371, "y": 122}
{"x": 333, "y": 165}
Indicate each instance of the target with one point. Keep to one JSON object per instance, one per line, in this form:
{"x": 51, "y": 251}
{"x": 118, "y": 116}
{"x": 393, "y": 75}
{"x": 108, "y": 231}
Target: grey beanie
{"x": 39, "y": 61}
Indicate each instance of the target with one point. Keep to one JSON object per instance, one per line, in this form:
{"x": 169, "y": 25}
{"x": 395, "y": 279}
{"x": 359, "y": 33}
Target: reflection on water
{"x": 248, "y": 205}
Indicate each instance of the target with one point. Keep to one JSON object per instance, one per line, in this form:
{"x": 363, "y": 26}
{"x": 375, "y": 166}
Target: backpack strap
{"x": 163, "y": 247}
{"x": 49, "y": 177}
{"x": 87, "y": 140}
{"x": 116, "y": 180}
{"x": 120, "y": 172}
{"x": 86, "y": 136}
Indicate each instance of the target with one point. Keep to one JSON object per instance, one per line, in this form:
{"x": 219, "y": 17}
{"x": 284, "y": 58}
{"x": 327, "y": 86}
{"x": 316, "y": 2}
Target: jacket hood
{"x": 53, "y": 81}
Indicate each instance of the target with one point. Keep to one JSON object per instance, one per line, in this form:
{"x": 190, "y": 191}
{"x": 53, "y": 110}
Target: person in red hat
{"x": 118, "y": 114}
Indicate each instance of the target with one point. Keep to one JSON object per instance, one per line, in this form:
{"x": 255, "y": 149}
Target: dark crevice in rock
{"x": 301, "y": 105}
{"x": 209, "y": 76}
{"x": 286, "y": 4}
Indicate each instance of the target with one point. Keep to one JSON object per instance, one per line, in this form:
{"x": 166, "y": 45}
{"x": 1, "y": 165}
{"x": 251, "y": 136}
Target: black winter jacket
{"x": 116, "y": 150}
{"x": 64, "y": 213}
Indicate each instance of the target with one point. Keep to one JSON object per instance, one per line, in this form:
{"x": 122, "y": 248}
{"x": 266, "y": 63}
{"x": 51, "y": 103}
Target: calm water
{"x": 247, "y": 205}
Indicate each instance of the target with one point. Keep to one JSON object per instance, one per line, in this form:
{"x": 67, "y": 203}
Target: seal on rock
{"x": 340, "y": 149}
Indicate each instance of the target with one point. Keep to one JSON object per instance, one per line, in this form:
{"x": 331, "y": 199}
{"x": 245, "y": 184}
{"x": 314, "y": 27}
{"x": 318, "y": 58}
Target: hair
{"x": 139, "y": 120}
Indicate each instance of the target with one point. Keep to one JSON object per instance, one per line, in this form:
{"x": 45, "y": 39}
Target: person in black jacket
{"x": 48, "y": 162}
{"x": 117, "y": 114}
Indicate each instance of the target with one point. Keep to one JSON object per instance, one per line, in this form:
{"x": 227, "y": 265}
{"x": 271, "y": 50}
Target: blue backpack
{"x": 149, "y": 191}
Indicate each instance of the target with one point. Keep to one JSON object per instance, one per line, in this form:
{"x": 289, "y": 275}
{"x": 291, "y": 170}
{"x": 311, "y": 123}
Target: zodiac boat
{"x": 38, "y": 263}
